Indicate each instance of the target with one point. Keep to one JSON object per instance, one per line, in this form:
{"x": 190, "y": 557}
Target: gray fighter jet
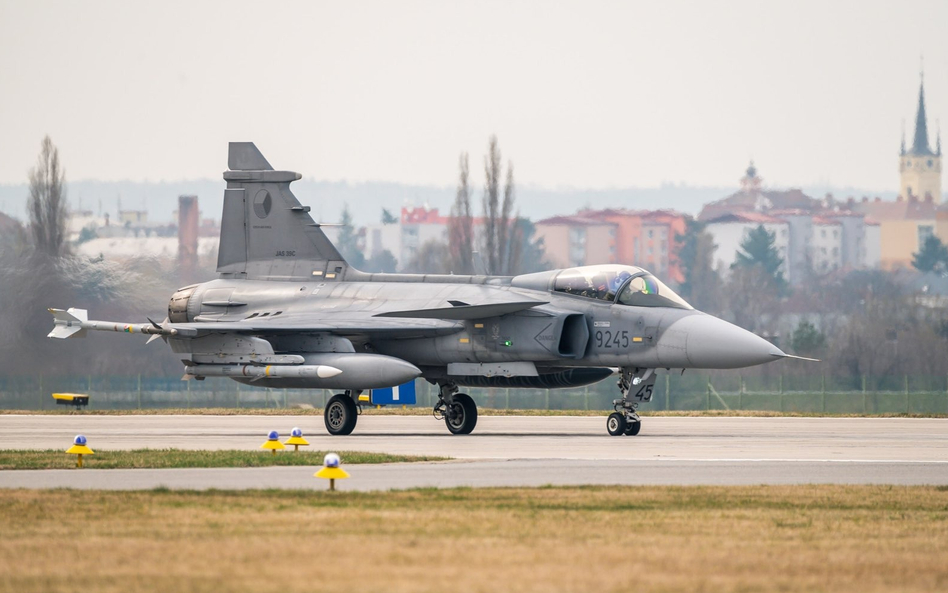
{"x": 288, "y": 311}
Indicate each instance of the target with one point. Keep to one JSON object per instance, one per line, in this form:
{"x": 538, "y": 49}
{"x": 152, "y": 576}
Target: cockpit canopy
{"x": 625, "y": 285}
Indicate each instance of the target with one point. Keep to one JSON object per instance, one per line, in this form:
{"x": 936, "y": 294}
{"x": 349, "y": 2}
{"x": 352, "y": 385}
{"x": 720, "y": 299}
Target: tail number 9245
{"x": 612, "y": 339}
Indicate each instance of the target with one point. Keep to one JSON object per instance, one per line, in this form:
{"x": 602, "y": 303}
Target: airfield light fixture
{"x": 331, "y": 470}
{"x": 273, "y": 442}
{"x": 296, "y": 439}
{"x": 79, "y": 448}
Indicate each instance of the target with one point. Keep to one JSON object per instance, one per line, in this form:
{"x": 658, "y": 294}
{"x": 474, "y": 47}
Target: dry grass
{"x": 781, "y": 538}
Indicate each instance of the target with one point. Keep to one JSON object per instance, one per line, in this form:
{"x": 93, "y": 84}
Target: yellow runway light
{"x": 296, "y": 439}
{"x": 273, "y": 442}
{"x": 79, "y": 449}
{"x": 331, "y": 470}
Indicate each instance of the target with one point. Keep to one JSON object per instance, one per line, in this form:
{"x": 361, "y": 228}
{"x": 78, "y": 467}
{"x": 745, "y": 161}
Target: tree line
{"x": 859, "y": 322}
{"x": 38, "y": 270}
{"x": 865, "y": 322}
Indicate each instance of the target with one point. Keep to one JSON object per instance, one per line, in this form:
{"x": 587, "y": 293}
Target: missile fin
{"x": 68, "y": 324}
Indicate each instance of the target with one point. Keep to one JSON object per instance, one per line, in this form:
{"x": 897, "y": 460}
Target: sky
{"x": 580, "y": 94}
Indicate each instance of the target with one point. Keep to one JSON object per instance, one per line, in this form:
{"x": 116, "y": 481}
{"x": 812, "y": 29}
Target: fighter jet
{"x": 288, "y": 311}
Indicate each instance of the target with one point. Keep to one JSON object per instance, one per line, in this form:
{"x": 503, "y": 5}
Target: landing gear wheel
{"x": 615, "y": 424}
{"x": 340, "y": 415}
{"x": 633, "y": 428}
{"x": 460, "y": 415}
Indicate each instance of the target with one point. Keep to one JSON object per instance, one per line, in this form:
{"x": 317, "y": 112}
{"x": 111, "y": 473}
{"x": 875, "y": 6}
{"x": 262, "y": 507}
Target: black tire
{"x": 461, "y": 416}
{"x": 633, "y": 428}
{"x": 340, "y": 415}
{"x": 615, "y": 424}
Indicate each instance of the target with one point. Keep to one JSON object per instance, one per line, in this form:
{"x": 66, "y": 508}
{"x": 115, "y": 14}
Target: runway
{"x": 509, "y": 451}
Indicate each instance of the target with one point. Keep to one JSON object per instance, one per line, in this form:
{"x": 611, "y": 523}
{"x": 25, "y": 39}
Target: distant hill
{"x": 366, "y": 200}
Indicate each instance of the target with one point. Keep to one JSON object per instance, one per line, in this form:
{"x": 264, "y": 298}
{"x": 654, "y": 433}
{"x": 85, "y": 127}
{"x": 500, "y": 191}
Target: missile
{"x": 251, "y": 371}
{"x": 325, "y": 370}
{"x": 75, "y": 322}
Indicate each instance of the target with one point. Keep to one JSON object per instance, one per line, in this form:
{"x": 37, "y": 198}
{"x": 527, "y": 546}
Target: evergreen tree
{"x": 932, "y": 257}
{"x": 527, "y": 253}
{"x": 807, "y": 340}
{"x": 387, "y": 217}
{"x": 759, "y": 250}
{"x": 383, "y": 261}
{"x": 348, "y": 241}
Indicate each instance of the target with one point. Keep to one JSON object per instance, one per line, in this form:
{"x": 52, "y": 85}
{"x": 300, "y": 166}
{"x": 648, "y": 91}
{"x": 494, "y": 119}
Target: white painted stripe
{"x": 708, "y": 460}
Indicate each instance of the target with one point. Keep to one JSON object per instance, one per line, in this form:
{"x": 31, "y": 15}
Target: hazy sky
{"x": 581, "y": 94}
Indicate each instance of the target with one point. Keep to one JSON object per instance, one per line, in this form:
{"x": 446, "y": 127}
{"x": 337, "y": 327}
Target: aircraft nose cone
{"x": 713, "y": 343}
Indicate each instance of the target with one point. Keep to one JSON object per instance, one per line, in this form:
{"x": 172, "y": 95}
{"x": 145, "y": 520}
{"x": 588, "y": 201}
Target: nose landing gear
{"x": 636, "y": 386}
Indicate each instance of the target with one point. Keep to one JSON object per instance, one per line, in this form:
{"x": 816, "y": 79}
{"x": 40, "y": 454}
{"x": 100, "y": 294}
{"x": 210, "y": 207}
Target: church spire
{"x": 902, "y": 150}
{"x": 920, "y": 145}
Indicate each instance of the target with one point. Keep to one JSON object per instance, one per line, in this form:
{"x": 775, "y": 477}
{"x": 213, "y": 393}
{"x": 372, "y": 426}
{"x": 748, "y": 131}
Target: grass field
{"x": 173, "y": 458}
{"x": 780, "y": 538}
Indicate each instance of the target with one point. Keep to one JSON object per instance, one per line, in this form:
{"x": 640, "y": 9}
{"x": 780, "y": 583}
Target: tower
{"x": 751, "y": 182}
{"x": 751, "y": 186}
{"x": 919, "y": 166}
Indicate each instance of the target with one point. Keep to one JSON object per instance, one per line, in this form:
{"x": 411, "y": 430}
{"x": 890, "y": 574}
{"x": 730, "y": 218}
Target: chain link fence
{"x": 673, "y": 392}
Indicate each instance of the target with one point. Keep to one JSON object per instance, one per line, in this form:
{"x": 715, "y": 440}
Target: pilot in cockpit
{"x": 616, "y": 283}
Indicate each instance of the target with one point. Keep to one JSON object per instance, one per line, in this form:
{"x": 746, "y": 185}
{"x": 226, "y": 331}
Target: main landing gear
{"x": 458, "y": 409}
{"x": 636, "y": 386}
{"x": 341, "y": 413}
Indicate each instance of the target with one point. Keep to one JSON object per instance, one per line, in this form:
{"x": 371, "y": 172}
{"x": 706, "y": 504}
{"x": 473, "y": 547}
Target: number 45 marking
{"x": 645, "y": 392}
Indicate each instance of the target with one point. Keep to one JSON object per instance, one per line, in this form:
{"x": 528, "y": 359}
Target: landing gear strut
{"x": 341, "y": 413}
{"x": 458, "y": 409}
{"x": 636, "y": 387}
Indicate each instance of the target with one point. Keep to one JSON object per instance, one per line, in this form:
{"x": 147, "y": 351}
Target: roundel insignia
{"x": 262, "y": 204}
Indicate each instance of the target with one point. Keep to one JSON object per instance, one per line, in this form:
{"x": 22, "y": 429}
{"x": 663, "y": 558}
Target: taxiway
{"x": 509, "y": 451}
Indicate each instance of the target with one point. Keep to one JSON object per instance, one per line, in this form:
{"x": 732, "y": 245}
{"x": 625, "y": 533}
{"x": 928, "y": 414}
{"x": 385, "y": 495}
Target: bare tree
{"x": 516, "y": 248}
{"x": 504, "y": 230}
{"x": 490, "y": 205}
{"x": 461, "y": 225}
{"x": 47, "y": 203}
{"x": 498, "y": 225}
{"x": 431, "y": 258}
{"x": 754, "y": 301}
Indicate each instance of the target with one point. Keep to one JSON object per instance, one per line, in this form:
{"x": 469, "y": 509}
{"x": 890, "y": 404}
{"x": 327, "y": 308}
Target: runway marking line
{"x": 702, "y": 459}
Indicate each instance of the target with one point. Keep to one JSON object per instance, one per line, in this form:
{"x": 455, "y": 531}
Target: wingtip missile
{"x": 68, "y": 323}
{"x": 75, "y": 322}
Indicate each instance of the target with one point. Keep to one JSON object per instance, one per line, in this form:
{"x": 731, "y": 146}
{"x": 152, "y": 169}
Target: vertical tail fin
{"x": 266, "y": 234}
